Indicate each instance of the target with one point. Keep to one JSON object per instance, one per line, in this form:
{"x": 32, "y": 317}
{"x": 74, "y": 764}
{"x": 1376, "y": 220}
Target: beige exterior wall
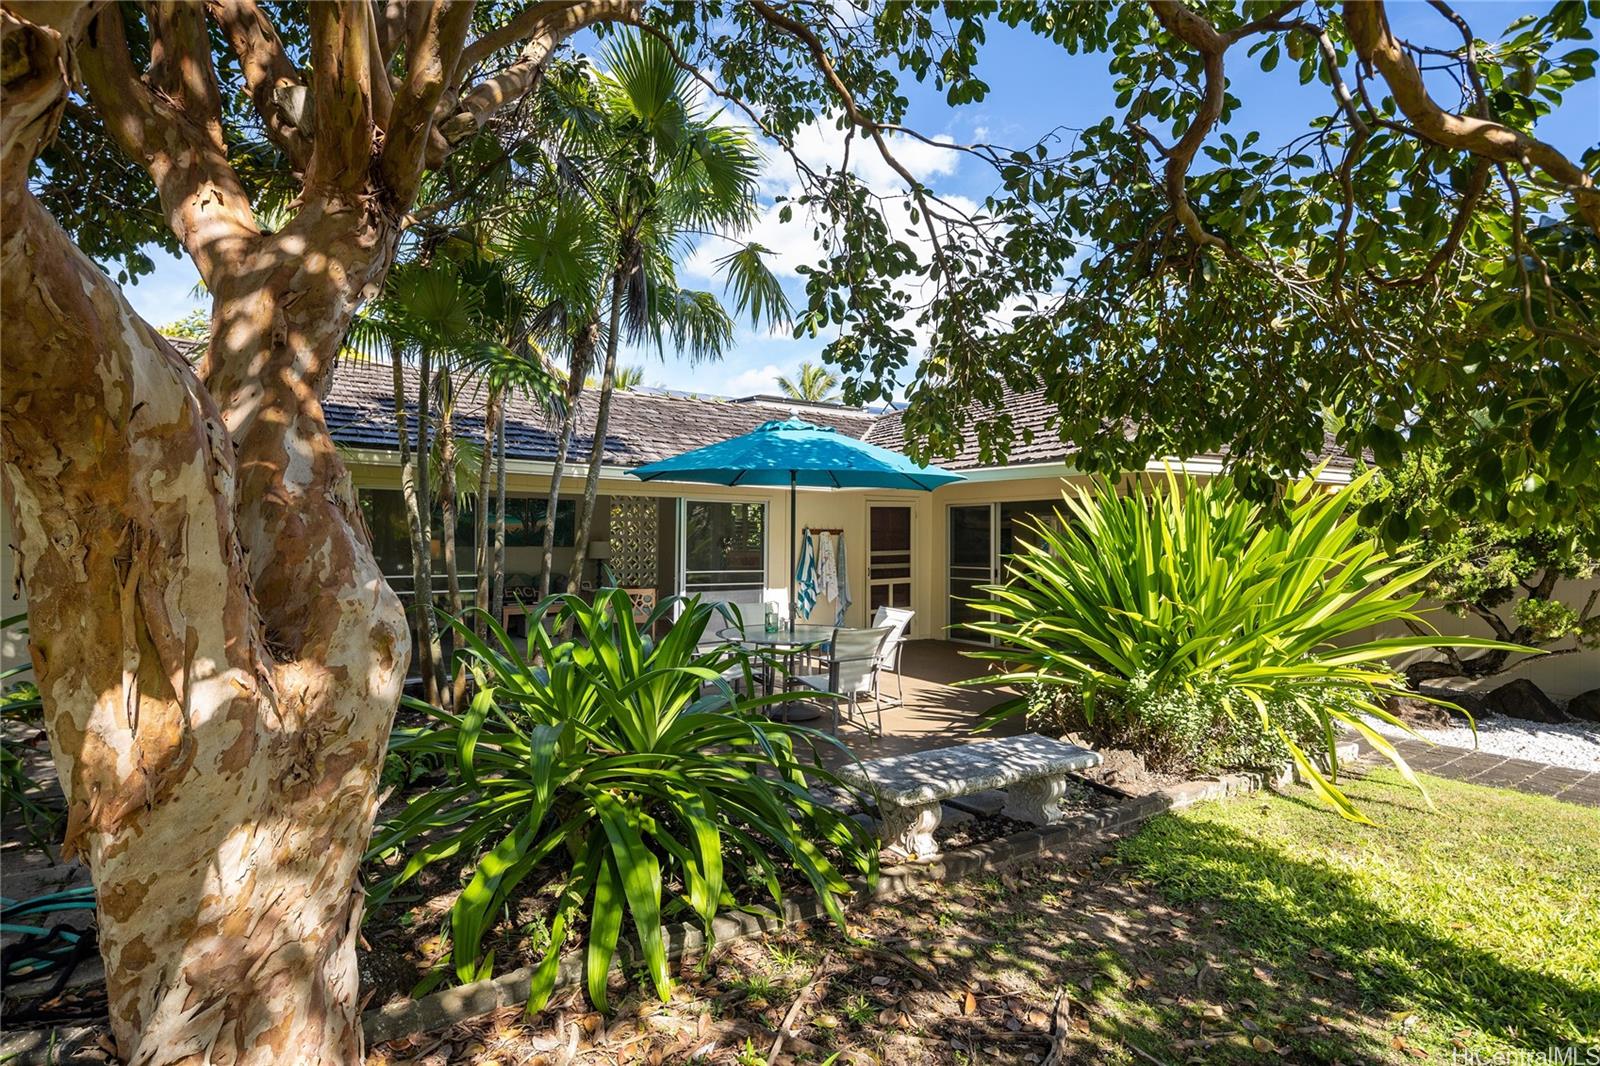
{"x": 847, "y": 509}
{"x": 1560, "y": 676}
{"x": 844, "y": 509}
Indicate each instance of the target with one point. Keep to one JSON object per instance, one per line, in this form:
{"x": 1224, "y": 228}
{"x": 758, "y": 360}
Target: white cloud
{"x": 761, "y": 379}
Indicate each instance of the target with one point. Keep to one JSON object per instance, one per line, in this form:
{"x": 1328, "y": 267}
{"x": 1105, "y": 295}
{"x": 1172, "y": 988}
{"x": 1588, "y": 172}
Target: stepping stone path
{"x": 1481, "y": 768}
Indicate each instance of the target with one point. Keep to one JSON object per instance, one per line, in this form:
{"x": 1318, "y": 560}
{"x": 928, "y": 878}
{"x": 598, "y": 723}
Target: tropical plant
{"x": 610, "y": 772}
{"x": 462, "y": 321}
{"x": 812, "y": 383}
{"x": 657, "y": 172}
{"x": 196, "y": 325}
{"x": 21, "y": 795}
{"x": 1147, "y": 597}
{"x": 1507, "y": 575}
{"x": 626, "y": 379}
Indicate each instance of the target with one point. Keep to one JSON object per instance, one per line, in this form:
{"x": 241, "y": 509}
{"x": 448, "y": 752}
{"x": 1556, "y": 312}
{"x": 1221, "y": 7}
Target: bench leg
{"x": 909, "y": 830}
{"x": 1037, "y": 802}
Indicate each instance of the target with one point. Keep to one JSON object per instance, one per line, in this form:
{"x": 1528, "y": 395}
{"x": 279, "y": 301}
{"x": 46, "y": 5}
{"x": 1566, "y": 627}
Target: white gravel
{"x": 1573, "y": 744}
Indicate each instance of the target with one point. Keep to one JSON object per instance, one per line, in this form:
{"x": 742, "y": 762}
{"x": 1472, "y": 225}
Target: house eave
{"x": 1199, "y": 467}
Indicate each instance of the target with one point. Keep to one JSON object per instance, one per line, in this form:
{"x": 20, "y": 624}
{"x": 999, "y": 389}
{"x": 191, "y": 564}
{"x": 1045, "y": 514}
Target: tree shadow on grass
{"x": 1305, "y": 933}
{"x": 1206, "y": 944}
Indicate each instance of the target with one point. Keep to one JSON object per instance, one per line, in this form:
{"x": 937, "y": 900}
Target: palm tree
{"x": 556, "y": 243}
{"x": 422, "y": 312}
{"x": 812, "y": 383}
{"x": 662, "y": 173}
{"x": 627, "y": 379}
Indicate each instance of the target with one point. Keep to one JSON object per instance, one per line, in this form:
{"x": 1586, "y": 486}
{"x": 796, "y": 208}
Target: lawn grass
{"x": 1474, "y": 925}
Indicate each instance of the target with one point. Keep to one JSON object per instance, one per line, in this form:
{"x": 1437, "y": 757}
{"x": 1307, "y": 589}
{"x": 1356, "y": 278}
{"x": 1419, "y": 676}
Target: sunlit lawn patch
{"x": 1473, "y": 925}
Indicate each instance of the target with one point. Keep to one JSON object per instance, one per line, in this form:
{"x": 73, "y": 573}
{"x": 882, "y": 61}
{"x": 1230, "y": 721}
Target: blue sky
{"x": 1034, "y": 87}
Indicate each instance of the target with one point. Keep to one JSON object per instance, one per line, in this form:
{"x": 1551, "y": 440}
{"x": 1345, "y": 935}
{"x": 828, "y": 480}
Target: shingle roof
{"x": 643, "y": 426}
{"x": 1033, "y": 413}
{"x": 647, "y": 426}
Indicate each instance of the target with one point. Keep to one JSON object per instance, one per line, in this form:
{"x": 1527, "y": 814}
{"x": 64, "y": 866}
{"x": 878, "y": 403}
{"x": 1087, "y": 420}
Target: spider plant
{"x": 628, "y": 775}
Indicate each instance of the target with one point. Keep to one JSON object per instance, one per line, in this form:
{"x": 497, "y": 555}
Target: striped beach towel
{"x": 805, "y": 579}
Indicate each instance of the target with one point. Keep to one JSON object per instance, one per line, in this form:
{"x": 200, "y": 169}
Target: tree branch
{"x": 205, "y": 204}
{"x": 819, "y": 55}
{"x": 275, "y": 85}
{"x": 1368, "y": 26}
{"x": 1192, "y": 29}
{"x": 556, "y": 22}
{"x": 521, "y": 26}
{"x": 341, "y": 94}
{"x": 432, "y": 54}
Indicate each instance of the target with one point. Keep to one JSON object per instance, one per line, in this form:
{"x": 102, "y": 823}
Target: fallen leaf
{"x": 970, "y": 1006}
{"x": 1262, "y": 1044}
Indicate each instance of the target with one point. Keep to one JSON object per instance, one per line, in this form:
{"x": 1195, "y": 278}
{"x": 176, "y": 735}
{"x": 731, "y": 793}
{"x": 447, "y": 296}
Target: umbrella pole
{"x": 794, "y": 520}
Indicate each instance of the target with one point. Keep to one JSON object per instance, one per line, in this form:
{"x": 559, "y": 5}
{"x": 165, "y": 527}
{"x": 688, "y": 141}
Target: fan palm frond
{"x": 755, "y": 289}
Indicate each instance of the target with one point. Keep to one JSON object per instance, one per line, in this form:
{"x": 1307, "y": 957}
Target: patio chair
{"x": 897, "y": 620}
{"x": 725, "y": 614}
{"x": 853, "y": 662}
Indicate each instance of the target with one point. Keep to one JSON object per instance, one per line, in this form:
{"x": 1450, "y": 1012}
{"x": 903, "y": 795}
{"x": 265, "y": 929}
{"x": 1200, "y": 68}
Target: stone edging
{"x": 57, "y": 1047}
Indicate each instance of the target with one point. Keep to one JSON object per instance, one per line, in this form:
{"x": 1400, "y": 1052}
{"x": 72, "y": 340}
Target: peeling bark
{"x": 219, "y": 656}
{"x": 218, "y": 653}
{"x": 217, "y": 757}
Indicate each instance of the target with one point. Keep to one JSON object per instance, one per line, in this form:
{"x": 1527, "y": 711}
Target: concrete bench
{"x": 911, "y": 788}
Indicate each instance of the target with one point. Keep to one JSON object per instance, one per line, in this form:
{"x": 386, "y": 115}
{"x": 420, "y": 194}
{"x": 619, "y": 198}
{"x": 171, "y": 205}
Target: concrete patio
{"x": 936, "y": 712}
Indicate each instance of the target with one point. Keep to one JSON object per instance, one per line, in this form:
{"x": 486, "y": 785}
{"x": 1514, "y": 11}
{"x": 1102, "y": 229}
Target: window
{"x": 725, "y": 550}
{"x": 385, "y": 512}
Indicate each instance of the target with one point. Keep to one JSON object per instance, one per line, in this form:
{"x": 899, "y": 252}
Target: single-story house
{"x": 925, "y": 551}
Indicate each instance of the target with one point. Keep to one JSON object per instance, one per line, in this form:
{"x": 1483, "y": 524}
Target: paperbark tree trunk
{"x": 218, "y": 653}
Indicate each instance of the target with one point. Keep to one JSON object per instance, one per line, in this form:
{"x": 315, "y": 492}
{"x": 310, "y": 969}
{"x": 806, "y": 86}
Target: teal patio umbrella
{"x": 794, "y": 453}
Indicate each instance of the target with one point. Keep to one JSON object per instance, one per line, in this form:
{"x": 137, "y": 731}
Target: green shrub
{"x": 608, "y": 772}
{"x": 1189, "y": 621}
{"x": 21, "y": 796}
{"x": 1204, "y": 727}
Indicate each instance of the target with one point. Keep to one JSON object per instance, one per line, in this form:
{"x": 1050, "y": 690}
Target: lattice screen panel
{"x": 633, "y": 540}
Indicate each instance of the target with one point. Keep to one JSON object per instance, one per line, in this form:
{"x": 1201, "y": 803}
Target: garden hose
{"x": 42, "y": 950}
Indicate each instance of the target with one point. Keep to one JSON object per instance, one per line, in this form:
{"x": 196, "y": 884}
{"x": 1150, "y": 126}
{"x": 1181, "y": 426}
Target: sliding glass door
{"x": 982, "y": 538}
{"x": 972, "y": 565}
{"x": 724, "y": 553}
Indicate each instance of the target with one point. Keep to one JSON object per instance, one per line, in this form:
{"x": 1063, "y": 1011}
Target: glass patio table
{"x": 789, "y": 641}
